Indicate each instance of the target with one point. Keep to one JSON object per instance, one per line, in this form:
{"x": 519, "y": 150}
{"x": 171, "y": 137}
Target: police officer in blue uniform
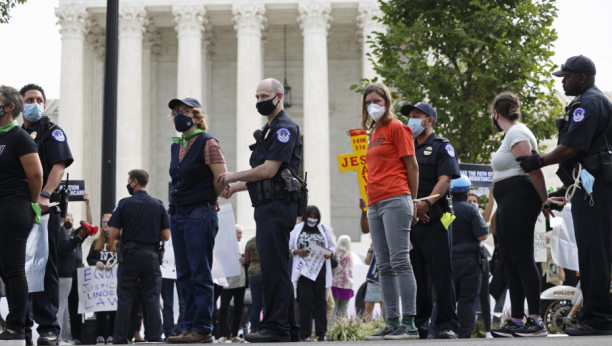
{"x": 140, "y": 223}
{"x": 55, "y": 157}
{"x": 585, "y": 141}
{"x": 431, "y": 240}
{"x": 276, "y": 156}
{"x": 469, "y": 229}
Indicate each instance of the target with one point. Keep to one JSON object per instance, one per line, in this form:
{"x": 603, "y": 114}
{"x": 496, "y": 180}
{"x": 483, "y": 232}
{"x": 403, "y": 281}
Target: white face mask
{"x": 474, "y": 203}
{"x": 376, "y": 111}
{"x": 312, "y": 222}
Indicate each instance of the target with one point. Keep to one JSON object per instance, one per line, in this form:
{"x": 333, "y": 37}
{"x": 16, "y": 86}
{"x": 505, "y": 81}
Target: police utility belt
{"x": 290, "y": 189}
{"x": 600, "y": 162}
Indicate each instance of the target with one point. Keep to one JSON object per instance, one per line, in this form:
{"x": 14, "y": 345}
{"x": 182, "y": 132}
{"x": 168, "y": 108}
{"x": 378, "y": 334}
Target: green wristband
{"x": 37, "y": 212}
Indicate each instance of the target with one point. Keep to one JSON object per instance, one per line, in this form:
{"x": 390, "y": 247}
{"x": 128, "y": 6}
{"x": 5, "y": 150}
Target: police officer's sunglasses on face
{"x": 183, "y": 112}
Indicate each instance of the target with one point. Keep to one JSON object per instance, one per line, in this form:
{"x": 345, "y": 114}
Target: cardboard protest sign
{"x": 77, "y": 190}
{"x": 310, "y": 265}
{"x": 226, "y": 253}
{"x": 168, "y": 266}
{"x": 97, "y": 289}
{"x": 479, "y": 175}
{"x": 539, "y": 240}
{"x": 373, "y": 271}
{"x": 356, "y": 160}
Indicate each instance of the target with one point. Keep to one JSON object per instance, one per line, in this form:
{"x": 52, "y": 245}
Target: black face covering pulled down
{"x": 266, "y": 107}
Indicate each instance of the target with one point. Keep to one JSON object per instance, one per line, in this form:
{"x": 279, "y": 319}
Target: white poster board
{"x": 37, "y": 253}
{"x": 310, "y": 265}
{"x": 97, "y": 289}
{"x": 226, "y": 253}
{"x": 168, "y": 266}
{"x": 563, "y": 246}
{"x": 539, "y": 240}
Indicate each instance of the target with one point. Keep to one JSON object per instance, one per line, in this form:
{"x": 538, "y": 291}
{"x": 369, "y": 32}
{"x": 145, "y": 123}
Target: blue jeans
{"x": 257, "y": 296}
{"x": 193, "y": 239}
{"x": 167, "y": 294}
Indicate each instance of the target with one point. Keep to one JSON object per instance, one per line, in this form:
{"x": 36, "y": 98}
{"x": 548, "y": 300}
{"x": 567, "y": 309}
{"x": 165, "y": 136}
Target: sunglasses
{"x": 566, "y": 68}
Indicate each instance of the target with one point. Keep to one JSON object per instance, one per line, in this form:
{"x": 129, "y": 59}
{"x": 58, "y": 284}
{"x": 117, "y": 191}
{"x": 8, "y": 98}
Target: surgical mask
{"x": 68, "y": 225}
{"x": 474, "y": 203}
{"x": 130, "y": 189}
{"x": 312, "y": 222}
{"x": 499, "y": 129}
{"x": 581, "y": 176}
{"x": 415, "y": 126}
{"x": 587, "y": 182}
{"x": 266, "y": 107}
{"x": 33, "y": 112}
{"x": 376, "y": 111}
{"x": 182, "y": 123}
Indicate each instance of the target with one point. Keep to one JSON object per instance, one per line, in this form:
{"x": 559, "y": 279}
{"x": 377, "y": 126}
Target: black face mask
{"x": 2, "y": 110}
{"x": 266, "y": 107}
{"x": 499, "y": 129}
{"x": 130, "y": 189}
{"x": 68, "y": 225}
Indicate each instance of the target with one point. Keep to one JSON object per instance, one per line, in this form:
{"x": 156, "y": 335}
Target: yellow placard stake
{"x": 356, "y": 161}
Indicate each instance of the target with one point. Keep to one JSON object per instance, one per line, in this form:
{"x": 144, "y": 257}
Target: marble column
{"x": 132, "y": 23}
{"x": 150, "y": 51}
{"x": 93, "y": 122}
{"x": 368, "y": 27}
{"x": 315, "y": 20}
{"x": 249, "y": 20}
{"x": 189, "y": 22}
{"x": 74, "y": 22}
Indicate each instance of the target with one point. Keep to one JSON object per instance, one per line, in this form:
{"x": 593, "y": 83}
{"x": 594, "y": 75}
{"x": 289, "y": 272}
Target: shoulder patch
{"x": 283, "y": 135}
{"x": 579, "y": 114}
{"x": 58, "y": 135}
{"x": 450, "y": 150}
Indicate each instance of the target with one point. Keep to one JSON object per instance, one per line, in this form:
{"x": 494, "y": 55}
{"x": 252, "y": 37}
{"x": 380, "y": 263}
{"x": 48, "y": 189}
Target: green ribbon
{"x": 36, "y": 209}
{"x": 8, "y": 127}
{"x": 185, "y": 138}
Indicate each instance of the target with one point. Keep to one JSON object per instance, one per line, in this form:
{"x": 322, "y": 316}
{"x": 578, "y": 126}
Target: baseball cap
{"x": 422, "y": 106}
{"x": 577, "y": 64}
{"x": 189, "y": 101}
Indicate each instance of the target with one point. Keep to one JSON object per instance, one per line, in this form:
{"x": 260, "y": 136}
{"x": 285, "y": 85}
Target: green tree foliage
{"x": 459, "y": 54}
{"x": 5, "y": 7}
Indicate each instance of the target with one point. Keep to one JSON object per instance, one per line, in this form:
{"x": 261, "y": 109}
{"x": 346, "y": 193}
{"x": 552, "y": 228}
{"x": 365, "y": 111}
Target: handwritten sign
{"x": 97, "y": 289}
{"x": 310, "y": 265}
{"x": 479, "y": 175}
{"x": 373, "y": 271}
{"x": 356, "y": 161}
{"x": 168, "y": 266}
{"x": 539, "y": 240}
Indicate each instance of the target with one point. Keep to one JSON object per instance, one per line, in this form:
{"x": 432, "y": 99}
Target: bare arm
{"x": 412, "y": 168}
{"x": 88, "y": 213}
{"x": 247, "y": 256}
{"x": 165, "y": 234}
{"x": 365, "y": 224}
{"x": 483, "y": 238}
{"x": 34, "y": 172}
{"x": 261, "y": 172}
{"x": 115, "y": 233}
{"x": 218, "y": 168}
{"x": 489, "y": 209}
{"x": 368, "y": 258}
{"x": 55, "y": 176}
{"x": 560, "y": 154}
{"x": 524, "y": 149}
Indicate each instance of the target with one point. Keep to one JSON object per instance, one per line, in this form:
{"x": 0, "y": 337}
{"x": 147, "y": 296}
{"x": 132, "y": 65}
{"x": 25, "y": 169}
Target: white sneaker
{"x": 239, "y": 340}
{"x": 221, "y": 340}
{"x": 100, "y": 341}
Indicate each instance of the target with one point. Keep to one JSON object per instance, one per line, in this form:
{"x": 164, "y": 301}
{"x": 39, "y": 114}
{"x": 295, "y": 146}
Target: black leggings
{"x": 76, "y": 320}
{"x": 226, "y": 298}
{"x": 485, "y": 299}
{"x": 16, "y": 221}
{"x": 518, "y": 208}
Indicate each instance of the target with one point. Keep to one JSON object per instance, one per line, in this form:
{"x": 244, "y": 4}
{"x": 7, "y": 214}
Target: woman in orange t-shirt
{"x": 393, "y": 177}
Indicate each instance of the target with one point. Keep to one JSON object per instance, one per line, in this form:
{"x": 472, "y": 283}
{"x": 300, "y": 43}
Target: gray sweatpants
{"x": 390, "y": 221}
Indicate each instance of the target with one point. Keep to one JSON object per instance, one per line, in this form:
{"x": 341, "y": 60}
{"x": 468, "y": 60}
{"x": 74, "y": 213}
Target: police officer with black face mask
{"x": 55, "y": 157}
{"x": 140, "y": 223}
{"x": 584, "y": 149}
{"x": 276, "y": 156}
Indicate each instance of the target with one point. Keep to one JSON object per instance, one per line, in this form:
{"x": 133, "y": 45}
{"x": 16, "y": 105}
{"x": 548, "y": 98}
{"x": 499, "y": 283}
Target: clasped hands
{"x": 224, "y": 179}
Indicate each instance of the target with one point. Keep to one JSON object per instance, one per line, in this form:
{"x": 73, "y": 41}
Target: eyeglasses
{"x": 183, "y": 112}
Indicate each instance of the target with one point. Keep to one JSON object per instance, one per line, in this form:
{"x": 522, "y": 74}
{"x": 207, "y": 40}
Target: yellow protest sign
{"x": 356, "y": 161}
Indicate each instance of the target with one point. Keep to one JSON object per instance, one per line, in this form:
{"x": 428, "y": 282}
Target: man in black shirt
{"x": 55, "y": 157}
{"x": 139, "y": 223}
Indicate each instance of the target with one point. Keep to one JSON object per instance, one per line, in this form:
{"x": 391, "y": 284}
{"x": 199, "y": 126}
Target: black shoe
{"x": 380, "y": 335}
{"x": 530, "y": 329}
{"x": 403, "y": 333}
{"x": 322, "y": 337}
{"x": 12, "y": 339}
{"x": 266, "y": 336}
{"x": 447, "y": 334}
{"x": 585, "y": 330}
{"x": 505, "y": 331}
{"x": 47, "y": 338}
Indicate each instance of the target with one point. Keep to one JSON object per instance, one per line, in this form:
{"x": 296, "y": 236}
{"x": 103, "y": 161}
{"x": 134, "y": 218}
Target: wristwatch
{"x": 45, "y": 194}
{"x": 546, "y": 205}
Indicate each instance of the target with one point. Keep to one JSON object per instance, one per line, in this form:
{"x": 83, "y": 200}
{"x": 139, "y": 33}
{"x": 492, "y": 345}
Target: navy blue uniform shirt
{"x": 55, "y": 148}
{"x": 436, "y": 157}
{"x": 282, "y": 142}
{"x": 468, "y": 226}
{"x": 153, "y": 220}
{"x": 586, "y": 117}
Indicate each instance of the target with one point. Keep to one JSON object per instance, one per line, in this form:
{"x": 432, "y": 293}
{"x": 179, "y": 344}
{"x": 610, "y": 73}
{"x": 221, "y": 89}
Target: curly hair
{"x": 29, "y": 87}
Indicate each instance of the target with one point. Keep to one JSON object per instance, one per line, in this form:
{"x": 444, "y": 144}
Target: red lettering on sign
{"x": 354, "y": 161}
{"x": 362, "y": 158}
{"x": 345, "y": 162}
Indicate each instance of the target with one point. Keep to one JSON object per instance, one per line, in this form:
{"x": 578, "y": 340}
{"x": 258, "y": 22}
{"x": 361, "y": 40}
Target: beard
{"x": 572, "y": 91}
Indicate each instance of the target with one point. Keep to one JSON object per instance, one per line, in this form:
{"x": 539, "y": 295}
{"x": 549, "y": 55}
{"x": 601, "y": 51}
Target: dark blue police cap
{"x": 422, "y": 106}
{"x": 189, "y": 101}
{"x": 577, "y": 64}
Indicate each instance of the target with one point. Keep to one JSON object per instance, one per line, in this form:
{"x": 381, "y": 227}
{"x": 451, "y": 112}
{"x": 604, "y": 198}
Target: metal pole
{"x": 109, "y": 119}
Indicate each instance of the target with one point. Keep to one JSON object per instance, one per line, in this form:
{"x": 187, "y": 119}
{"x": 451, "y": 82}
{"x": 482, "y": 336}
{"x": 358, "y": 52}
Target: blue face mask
{"x": 33, "y": 112}
{"x": 587, "y": 181}
{"x": 415, "y": 126}
{"x": 182, "y": 123}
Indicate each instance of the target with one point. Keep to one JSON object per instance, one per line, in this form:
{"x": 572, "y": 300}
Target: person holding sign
{"x": 21, "y": 179}
{"x": 515, "y": 225}
{"x": 312, "y": 293}
{"x": 393, "y": 180}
